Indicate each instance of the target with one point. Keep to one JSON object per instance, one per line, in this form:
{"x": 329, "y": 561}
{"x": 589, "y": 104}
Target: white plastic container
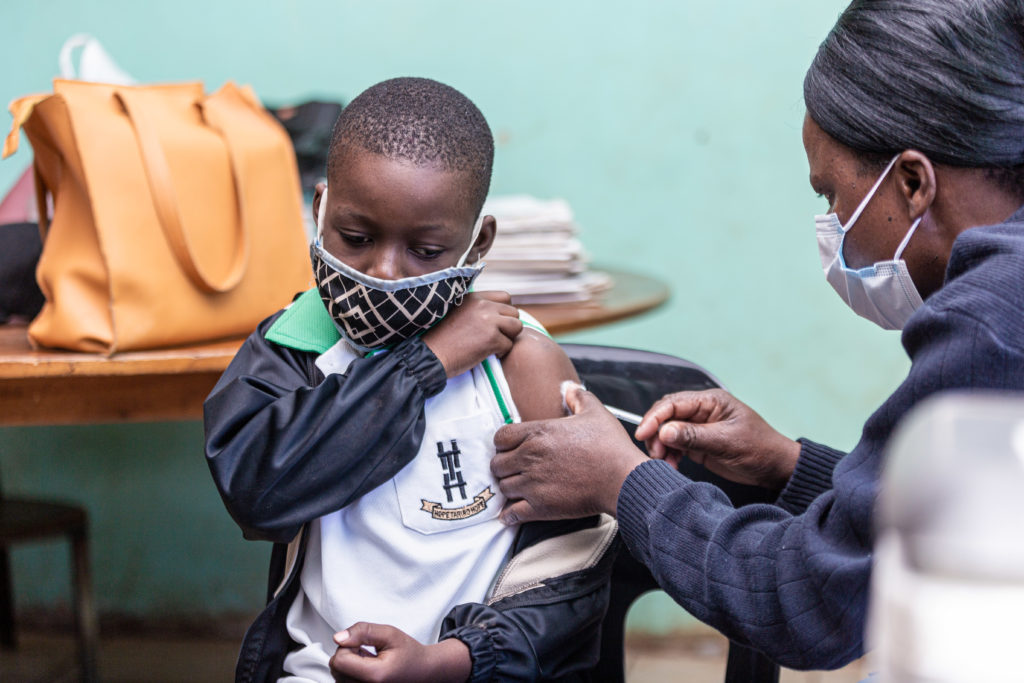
{"x": 947, "y": 592}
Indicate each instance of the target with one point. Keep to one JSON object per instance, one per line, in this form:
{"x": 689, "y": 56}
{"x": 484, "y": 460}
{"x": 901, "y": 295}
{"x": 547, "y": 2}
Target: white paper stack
{"x": 537, "y": 256}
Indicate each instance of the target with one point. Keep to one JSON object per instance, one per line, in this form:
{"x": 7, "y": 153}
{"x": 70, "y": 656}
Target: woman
{"x": 915, "y": 136}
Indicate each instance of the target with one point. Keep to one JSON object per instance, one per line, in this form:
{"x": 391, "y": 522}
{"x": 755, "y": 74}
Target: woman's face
{"x": 843, "y": 180}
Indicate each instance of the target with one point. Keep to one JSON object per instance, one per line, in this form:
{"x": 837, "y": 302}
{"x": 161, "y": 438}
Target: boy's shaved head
{"x": 421, "y": 121}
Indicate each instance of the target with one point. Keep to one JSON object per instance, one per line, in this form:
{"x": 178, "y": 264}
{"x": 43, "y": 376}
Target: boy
{"x": 356, "y": 426}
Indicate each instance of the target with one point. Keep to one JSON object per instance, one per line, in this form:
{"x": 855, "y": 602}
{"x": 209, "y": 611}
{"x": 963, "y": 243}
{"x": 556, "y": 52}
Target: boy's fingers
{"x": 495, "y": 295}
{"x": 352, "y": 665}
{"x": 379, "y": 636}
{"x": 509, "y": 326}
{"x": 353, "y": 636}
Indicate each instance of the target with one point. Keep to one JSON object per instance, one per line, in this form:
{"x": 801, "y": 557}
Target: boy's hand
{"x": 486, "y": 323}
{"x": 399, "y": 658}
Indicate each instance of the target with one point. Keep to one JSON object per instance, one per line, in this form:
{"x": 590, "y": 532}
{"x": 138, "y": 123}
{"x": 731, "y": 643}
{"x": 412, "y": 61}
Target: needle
{"x": 624, "y": 415}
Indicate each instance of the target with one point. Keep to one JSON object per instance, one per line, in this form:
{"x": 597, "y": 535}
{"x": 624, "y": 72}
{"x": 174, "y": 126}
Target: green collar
{"x": 305, "y": 325}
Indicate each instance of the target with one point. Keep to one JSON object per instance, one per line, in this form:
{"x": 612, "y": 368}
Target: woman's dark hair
{"x": 944, "y": 77}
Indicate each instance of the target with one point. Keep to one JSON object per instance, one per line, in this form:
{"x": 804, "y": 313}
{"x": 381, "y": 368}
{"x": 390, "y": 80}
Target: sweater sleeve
{"x": 811, "y": 477}
{"x": 283, "y": 452}
{"x": 795, "y": 586}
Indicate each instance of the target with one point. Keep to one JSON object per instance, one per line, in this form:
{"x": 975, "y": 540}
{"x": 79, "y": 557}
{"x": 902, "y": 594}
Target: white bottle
{"x": 947, "y": 590}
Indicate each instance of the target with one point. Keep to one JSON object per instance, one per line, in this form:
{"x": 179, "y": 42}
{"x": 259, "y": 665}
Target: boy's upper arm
{"x": 535, "y": 369}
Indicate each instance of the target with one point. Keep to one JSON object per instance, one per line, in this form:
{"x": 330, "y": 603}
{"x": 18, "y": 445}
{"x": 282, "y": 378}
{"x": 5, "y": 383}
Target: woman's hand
{"x": 715, "y": 429}
{"x": 400, "y": 658}
{"x": 566, "y": 467}
{"x": 485, "y": 323}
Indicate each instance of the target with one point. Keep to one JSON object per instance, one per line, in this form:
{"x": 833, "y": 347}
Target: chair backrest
{"x": 633, "y": 380}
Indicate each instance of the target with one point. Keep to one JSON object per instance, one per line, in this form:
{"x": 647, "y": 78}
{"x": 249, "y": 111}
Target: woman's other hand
{"x": 715, "y": 429}
{"x": 566, "y": 467}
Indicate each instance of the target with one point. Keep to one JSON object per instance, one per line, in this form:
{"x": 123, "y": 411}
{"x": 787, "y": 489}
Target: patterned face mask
{"x": 372, "y": 313}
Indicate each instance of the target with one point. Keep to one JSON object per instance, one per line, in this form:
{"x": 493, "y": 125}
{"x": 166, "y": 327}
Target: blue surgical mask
{"x": 372, "y": 313}
{"x": 883, "y": 293}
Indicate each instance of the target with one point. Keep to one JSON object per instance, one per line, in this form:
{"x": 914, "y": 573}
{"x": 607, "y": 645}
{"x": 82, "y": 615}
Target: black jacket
{"x": 287, "y": 445}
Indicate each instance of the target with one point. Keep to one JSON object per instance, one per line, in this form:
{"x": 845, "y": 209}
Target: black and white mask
{"x": 372, "y": 313}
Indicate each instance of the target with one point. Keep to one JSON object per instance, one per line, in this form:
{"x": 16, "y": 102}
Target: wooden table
{"x": 61, "y": 387}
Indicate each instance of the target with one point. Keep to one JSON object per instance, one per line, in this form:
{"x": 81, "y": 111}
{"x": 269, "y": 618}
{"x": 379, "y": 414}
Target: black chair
{"x": 633, "y": 380}
{"x": 24, "y": 520}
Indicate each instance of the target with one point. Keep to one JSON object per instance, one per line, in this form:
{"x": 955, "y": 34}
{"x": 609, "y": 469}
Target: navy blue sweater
{"x": 792, "y": 579}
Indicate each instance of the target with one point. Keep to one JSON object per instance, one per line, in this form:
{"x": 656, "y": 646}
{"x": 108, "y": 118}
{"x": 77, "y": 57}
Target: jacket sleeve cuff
{"x": 645, "y": 486}
{"x": 481, "y": 652}
{"x": 811, "y": 477}
{"x": 423, "y": 365}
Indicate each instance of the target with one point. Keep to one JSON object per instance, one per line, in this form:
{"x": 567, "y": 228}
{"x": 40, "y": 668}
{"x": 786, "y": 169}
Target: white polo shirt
{"x": 419, "y": 544}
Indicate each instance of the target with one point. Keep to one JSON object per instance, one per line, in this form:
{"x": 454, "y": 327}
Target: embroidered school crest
{"x": 455, "y": 485}
{"x": 449, "y": 487}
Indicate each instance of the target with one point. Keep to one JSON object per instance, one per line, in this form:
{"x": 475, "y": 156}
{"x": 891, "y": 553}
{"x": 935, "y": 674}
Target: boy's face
{"x": 392, "y": 219}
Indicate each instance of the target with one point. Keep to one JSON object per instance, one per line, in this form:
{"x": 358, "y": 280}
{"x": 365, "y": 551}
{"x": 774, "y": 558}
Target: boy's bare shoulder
{"x": 535, "y": 368}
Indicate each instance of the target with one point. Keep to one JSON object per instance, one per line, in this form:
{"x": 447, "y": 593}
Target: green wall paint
{"x": 673, "y": 128}
{"x": 162, "y": 543}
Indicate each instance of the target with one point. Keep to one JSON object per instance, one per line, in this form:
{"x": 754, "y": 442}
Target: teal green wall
{"x": 673, "y": 128}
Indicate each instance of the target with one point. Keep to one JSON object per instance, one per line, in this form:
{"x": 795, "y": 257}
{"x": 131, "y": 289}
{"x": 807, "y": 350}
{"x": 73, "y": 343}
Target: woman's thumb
{"x": 678, "y": 435}
{"x": 576, "y": 397}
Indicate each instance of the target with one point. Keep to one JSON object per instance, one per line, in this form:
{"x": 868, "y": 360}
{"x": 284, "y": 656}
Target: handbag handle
{"x": 158, "y": 173}
{"x": 21, "y": 109}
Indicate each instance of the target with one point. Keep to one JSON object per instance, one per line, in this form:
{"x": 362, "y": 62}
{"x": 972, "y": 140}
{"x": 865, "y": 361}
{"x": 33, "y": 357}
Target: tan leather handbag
{"x": 177, "y": 216}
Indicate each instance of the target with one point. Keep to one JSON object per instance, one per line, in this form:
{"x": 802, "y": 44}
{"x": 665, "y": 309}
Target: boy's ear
{"x": 484, "y": 240}
{"x": 318, "y": 192}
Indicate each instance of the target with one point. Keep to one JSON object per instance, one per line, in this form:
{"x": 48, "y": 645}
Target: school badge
{"x": 455, "y": 484}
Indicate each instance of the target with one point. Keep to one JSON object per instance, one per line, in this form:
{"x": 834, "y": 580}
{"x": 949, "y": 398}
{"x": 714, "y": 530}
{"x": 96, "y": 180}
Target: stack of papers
{"x": 537, "y": 256}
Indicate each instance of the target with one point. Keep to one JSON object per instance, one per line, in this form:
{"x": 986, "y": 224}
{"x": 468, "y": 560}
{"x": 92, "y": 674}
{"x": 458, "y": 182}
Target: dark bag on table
{"x": 20, "y": 246}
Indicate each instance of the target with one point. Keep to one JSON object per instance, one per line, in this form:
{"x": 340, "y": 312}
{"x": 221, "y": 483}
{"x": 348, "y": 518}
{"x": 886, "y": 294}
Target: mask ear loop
{"x": 320, "y": 217}
{"x": 867, "y": 197}
{"x": 472, "y": 240}
{"x": 906, "y": 239}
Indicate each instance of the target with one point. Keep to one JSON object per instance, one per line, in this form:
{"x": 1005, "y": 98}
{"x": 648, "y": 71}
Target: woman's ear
{"x": 484, "y": 240}
{"x": 916, "y": 178}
